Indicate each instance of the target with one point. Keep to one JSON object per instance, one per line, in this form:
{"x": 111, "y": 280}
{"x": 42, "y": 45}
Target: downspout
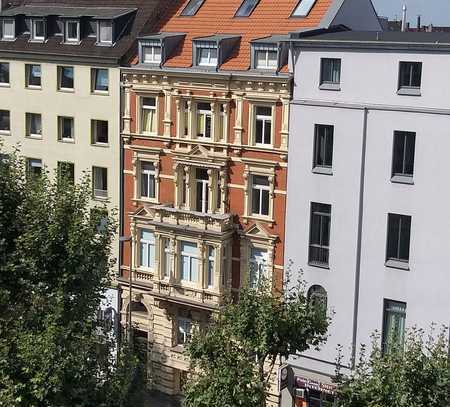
{"x": 359, "y": 237}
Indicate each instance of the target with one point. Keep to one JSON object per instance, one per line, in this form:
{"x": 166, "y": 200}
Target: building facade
{"x": 60, "y": 86}
{"x": 205, "y": 131}
{"x": 361, "y": 219}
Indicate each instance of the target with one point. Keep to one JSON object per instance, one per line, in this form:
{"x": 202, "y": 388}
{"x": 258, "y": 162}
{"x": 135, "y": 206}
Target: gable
{"x": 355, "y": 14}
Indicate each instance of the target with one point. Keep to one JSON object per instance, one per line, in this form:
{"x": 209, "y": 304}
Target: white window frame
{"x": 264, "y": 119}
{"x": 147, "y": 244}
{"x": 61, "y": 127}
{"x": 210, "y": 266}
{"x": 267, "y": 50}
{"x": 71, "y": 40}
{"x": 261, "y": 189}
{"x": 149, "y": 174}
{"x": 35, "y": 37}
{"x": 6, "y": 132}
{"x": 8, "y": 37}
{"x": 148, "y": 107}
{"x": 34, "y": 163}
{"x": 205, "y": 114}
{"x": 258, "y": 263}
{"x": 167, "y": 257}
{"x": 97, "y": 192}
{"x": 191, "y": 257}
{"x": 212, "y": 61}
{"x": 303, "y": 8}
{"x": 99, "y": 32}
{"x": 94, "y": 81}
{"x": 60, "y": 70}
{"x": 184, "y": 328}
{"x": 28, "y": 70}
{"x": 155, "y": 58}
{"x": 28, "y": 117}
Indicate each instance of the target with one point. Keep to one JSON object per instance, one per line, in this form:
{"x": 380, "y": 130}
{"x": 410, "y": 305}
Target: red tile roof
{"x": 217, "y": 17}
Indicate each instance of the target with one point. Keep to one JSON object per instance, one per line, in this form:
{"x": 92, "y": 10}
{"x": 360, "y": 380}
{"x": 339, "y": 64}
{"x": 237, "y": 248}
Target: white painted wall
{"x": 80, "y": 104}
{"x": 370, "y": 79}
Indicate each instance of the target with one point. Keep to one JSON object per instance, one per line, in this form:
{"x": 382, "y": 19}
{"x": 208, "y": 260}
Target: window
{"x": 320, "y": 399}
{"x": 189, "y": 262}
{"x": 260, "y": 195}
{"x": 148, "y": 110}
{"x": 72, "y": 31}
{"x": 323, "y": 147}
{"x": 319, "y": 238}
{"x": 4, "y": 73}
{"x": 65, "y": 77}
{"x": 192, "y": 7}
{"x": 246, "y": 8}
{"x": 167, "y": 258}
{"x": 202, "y": 184}
{"x": 303, "y": 8}
{"x": 184, "y": 331}
{"x": 263, "y": 125}
{"x": 8, "y": 29}
{"x": 105, "y": 32}
{"x": 34, "y": 125}
{"x": 207, "y": 54}
{"x": 257, "y": 266}
{"x": 148, "y": 244}
{"x": 410, "y": 76}
{"x": 403, "y": 156}
{"x": 34, "y": 167}
{"x": 317, "y": 297}
{"x": 5, "y": 125}
{"x": 204, "y": 120}
{"x": 148, "y": 182}
{"x": 38, "y": 30}
{"x": 33, "y": 73}
{"x": 99, "y": 132}
{"x": 65, "y": 129}
{"x": 266, "y": 56}
{"x": 211, "y": 262}
{"x": 66, "y": 171}
{"x": 100, "y": 80}
{"x": 151, "y": 54}
{"x": 394, "y": 319}
{"x": 100, "y": 182}
{"x": 330, "y": 72}
{"x": 399, "y": 233}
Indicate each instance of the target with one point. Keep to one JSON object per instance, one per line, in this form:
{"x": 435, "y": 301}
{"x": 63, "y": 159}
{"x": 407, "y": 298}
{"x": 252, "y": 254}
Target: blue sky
{"x": 432, "y": 11}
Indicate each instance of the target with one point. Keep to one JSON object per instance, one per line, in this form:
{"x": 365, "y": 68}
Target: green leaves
{"x": 231, "y": 359}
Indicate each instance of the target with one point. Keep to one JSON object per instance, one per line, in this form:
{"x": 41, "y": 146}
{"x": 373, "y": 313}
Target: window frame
{"x": 267, "y": 49}
{"x": 28, "y": 73}
{"x": 204, "y": 185}
{"x": 94, "y": 78}
{"x": 28, "y": 120}
{"x": 210, "y": 46}
{"x": 192, "y": 8}
{"x": 151, "y": 45}
{"x": 329, "y": 83}
{"x": 60, "y": 76}
{"x": 323, "y": 168}
{"x": 61, "y": 129}
{"x": 210, "y": 266}
{"x": 149, "y": 174}
{"x": 182, "y": 323}
{"x": 316, "y": 210}
{"x": 261, "y": 267}
{"x": 71, "y": 40}
{"x": 397, "y": 261}
{"x": 249, "y": 12}
{"x": 94, "y": 133}
{"x": 6, "y": 84}
{"x": 8, "y": 131}
{"x": 29, "y": 166}
{"x": 151, "y": 262}
{"x": 306, "y": 12}
{"x": 98, "y": 193}
{"x": 99, "y": 33}
{"x": 166, "y": 258}
{"x": 403, "y": 177}
{"x": 33, "y": 36}
{"x": 261, "y": 188}
{"x": 386, "y": 313}
{"x": 264, "y": 119}
{"x": 13, "y": 37}
{"x": 153, "y": 108}
{"x": 409, "y": 89}
{"x": 183, "y": 254}
{"x": 205, "y": 114}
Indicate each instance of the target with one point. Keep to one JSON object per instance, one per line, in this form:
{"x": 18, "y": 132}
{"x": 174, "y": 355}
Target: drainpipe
{"x": 359, "y": 237}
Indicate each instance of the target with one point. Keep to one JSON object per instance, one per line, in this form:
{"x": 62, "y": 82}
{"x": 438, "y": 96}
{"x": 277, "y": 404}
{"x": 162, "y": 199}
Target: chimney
{"x": 419, "y": 25}
{"x": 404, "y": 18}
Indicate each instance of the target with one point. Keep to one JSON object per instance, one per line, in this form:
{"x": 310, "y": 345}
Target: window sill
{"x": 69, "y": 141}
{"x": 100, "y": 198}
{"x": 263, "y": 146}
{"x": 34, "y": 136}
{"x": 149, "y": 200}
{"x": 402, "y": 179}
{"x": 5, "y": 85}
{"x": 102, "y": 145}
{"x": 178, "y": 348}
{"x": 322, "y": 170}
{"x": 319, "y": 265}
{"x": 66, "y": 90}
{"x": 409, "y": 92}
{"x": 5, "y": 132}
{"x": 397, "y": 264}
{"x": 34, "y": 87}
{"x": 100, "y": 92}
{"x": 330, "y": 86}
{"x": 260, "y": 218}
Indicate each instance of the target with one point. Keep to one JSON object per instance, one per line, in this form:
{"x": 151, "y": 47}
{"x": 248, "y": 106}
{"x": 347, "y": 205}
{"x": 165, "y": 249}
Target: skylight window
{"x": 246, "y": 8}
{"x": 192, "y": 7}
{"x": 303, "y": 8}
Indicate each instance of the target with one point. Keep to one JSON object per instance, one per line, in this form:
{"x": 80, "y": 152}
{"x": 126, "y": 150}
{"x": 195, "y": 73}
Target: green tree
{"x": 232, "y": 359}
{"x": 412, "y": 375}
{"x": 54, "y": 269}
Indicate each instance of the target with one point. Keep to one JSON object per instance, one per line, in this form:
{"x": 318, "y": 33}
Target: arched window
{"x": 138, "y": 308}
{"x": 317, "y": 296}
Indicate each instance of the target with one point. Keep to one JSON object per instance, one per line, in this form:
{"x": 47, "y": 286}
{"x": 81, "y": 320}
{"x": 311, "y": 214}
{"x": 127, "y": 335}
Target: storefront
{"x": 312, "y": 393}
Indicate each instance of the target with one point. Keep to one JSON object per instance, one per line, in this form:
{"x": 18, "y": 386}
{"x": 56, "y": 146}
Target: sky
{"x": 432, "y": 11}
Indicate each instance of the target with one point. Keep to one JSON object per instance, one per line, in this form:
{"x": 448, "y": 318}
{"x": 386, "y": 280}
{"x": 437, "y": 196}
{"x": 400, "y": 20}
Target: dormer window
{"x": 8, "y": 29}
{"x": 266, "y": 56}
{"x": 207, "y": 53}
{"x": 151, "y": 53}
{"x": 38, "y": 29}
{"x": 105, "y": 32}
{"x": 72, "y": 31}
{"x": 303, "y": 8}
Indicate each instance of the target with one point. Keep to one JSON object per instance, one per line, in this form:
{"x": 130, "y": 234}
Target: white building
{"x": 367, "y": 186}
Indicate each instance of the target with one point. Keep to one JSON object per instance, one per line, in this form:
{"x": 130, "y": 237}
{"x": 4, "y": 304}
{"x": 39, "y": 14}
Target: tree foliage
{"x": 54, "y": 269}
{"x": 412, "y": 375}
{"x": 232, "y": 359}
